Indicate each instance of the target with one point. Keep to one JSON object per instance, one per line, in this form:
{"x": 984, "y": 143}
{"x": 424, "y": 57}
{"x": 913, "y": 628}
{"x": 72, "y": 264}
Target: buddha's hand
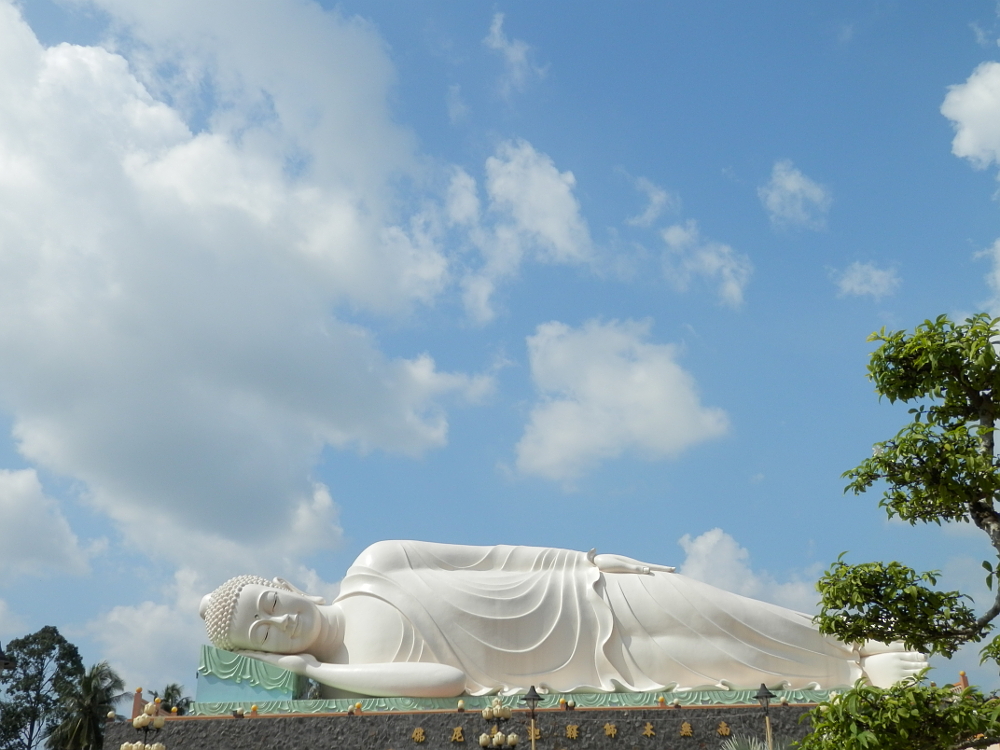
{"x": 887, "y": 663}
{"x": 297, "y": 663}
{"x": 622, "y": 564}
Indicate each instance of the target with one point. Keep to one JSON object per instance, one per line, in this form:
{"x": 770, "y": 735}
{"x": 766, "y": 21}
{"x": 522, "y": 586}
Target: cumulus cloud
{"x": 604, "y": 390}
{"x": 516, "y": 57}
{"x": 532, "y": 212}
{"x": 35, "y": 537}
{"x": 539, "y": 201}
{"x": 155, "y": 643}
{"x": 860, "y": 279}
{"x": 689, "y": 255}
{"x": 462, "y": 206}
{"x": 792, "y": 199}
{"x": 168, "y": 290}
{"x": 658, "y": 199}
{"x": 974, "y": 110}
{"x": 715, "y": 557}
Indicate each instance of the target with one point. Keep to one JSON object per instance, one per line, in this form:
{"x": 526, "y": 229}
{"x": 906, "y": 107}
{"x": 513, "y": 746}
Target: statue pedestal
{"x": 225, "y": 677}
{"x": 692, "y": 727}
{"x": 228, "y": 681}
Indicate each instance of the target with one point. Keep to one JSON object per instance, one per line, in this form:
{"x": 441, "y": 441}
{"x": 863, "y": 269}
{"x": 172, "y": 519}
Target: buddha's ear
{"x": 282, "y": 583}
{"x": 203, "y": 607}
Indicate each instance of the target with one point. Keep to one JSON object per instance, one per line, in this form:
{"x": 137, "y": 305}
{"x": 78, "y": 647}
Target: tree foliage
{"x": 910, "y": 715}
{"x": 173, "y": 697}
{"x": 47, "y": 670}
{"x": 86, "y": 709}
{"x": 941, "y": 467}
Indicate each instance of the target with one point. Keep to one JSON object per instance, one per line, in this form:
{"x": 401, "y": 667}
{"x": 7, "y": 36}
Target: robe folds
{"x": 509, "y": 617}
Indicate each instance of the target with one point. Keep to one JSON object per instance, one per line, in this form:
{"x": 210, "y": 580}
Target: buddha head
{"x": 256, "y": 614}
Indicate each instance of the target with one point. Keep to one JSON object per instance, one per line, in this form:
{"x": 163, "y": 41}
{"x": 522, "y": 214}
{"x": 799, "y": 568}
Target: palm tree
{"x": 173, "y": 697}
{"x": 86, "y": 708}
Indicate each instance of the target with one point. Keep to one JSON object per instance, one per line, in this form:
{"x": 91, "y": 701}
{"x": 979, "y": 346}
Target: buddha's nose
{"x": 286, "y": 622}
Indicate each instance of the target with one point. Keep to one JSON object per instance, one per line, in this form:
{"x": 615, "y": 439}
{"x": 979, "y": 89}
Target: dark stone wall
{"x": 596, "y": 729}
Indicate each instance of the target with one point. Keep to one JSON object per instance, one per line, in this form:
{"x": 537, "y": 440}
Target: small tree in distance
{"x": 34, "y": 694}
{"x": 173, "y": 697}
{"x": 87, "y": 707}
{"x": 941, "y": 467}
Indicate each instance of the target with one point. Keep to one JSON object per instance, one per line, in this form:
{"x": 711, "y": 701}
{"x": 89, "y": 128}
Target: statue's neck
{"x": 331, "y": 635}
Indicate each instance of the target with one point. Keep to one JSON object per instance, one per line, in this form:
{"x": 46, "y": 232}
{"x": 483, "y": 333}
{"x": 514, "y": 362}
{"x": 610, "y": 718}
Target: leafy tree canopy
{"x": 173, "y": 697}
{"x": 47, "y": 671}
{"x": 910, "y": 715}
{"x": 86, "y": 709}
{"x": 941, "y": 467}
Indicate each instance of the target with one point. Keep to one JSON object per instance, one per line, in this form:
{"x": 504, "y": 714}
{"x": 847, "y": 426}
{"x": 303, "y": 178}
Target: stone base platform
{"x": 603, "y": 728}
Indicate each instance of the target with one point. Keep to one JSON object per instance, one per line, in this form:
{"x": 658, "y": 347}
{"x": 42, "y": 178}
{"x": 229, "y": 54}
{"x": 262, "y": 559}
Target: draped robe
{"x": 509, "y": 617}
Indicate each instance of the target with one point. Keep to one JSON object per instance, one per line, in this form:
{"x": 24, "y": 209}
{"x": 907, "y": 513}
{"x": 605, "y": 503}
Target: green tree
{"x": 86, "y": 709}
{"x": 173, "y": 697}
{"x": 907, "y": 716}
{"x": 939, "y": 468}
{"x": 47, "y": 670}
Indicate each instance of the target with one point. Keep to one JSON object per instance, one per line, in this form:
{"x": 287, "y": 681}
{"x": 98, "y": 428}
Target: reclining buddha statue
{"x": 436, "y": 620}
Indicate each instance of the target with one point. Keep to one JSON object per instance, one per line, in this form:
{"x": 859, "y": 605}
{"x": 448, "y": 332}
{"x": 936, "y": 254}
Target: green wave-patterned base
{"x": 228, "y": 681}
{"x": 477, "y": 703}
{"x": 225, "y": 677}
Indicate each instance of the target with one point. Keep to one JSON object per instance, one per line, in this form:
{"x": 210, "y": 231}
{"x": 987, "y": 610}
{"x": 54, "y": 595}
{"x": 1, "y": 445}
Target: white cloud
{"x": 515, "y": 54}
{"x": 458, "y": 110}
{"x": 974, "y": 109}
{"x": 794, "y": 200}
{"x": 166, "y": 294}
{"x": 152, "y": 644}
{"x": 539, "y": 200}
{"x": 462, "y": 202}
{"x": 659, "y": 200}
{"x": 716, "y": 558}
{"x": 35, "y": 538}
{"x": 532, "y": 213}
{"x": 860, "y": 279}
{"x": 983, "y": 39}
{"x": 605, "y": 390}
{"x": 688, "y": 255}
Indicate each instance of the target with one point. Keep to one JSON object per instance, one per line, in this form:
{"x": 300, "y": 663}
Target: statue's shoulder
{"x": 399, "y": 554}
{"x": 387, "y": 554}
{"x": 407, "y": 554}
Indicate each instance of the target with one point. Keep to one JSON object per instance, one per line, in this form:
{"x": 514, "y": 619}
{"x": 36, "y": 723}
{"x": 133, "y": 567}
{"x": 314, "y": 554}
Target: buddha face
{"x": 273, "y": 620}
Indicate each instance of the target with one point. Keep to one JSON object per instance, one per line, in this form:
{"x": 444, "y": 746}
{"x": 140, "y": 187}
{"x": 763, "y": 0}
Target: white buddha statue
{"x": 436, "y": 620}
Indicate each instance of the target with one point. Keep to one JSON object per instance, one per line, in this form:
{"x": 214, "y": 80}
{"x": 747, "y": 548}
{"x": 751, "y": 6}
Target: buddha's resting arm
{"x": 414, "y": 679}
{"x": 622, "y": 564}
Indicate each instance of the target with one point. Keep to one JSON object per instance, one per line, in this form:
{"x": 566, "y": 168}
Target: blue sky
{"x": 284, "y": 279}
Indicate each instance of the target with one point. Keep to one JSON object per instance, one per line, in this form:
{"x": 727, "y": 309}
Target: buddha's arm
{"x": 417, "y": 680}
{"x": 622, "y": 564}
